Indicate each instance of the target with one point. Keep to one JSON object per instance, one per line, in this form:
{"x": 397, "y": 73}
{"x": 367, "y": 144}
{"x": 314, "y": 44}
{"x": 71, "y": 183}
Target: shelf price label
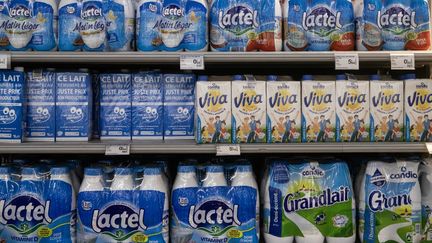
{"x": 227, "y": 149}
{"x": 116, "y": 149}
{"x": 402, "y": 61}
{"x": 4, "y": 61}
{"x": 191, "y": 62}
{"x": 346, "y": 61}
{"x": 429, "y": 147}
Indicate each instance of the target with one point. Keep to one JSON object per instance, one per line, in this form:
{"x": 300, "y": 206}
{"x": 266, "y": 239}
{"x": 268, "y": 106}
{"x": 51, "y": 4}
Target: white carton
{"x": 249, "y": 111}
{"x": 352, "y": 111}
{"x": 418, "y": 110}
{"x": 386, "y": 107}
{"x": 283, "y": 112}
{"x": 213, "y": 108}
{"x": 318, "y": 111}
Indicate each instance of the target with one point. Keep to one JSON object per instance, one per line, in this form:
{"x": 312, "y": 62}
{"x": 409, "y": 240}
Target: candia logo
{"x": 25, "y": 213}
{"x": 404, "y": 174}
{"x": 41, "y": 115}
{"x": 173, "y": 12}
{"x": 74, "y": 115}
{"x": 352, "y": 100}
{"x": 8, "y": 116}
{"x": 238, "y": 19}
{"x": 397, "y": 19}
{"x": 91, "y": 12}
{"x": 378, "y": 201}
{"x": 20, "y": 12}
{"x": 378, "y": 179}
{"x": 322, "y": 19}
{"x": 119, "y": 221}
{"x": 312, "y": 172}
{"x": 150, "y": 114}
{"x": 292, "y": 201}
{"x": 214, "y": 216}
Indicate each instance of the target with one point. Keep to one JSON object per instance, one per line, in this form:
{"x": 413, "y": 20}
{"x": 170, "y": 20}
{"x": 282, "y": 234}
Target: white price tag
{"x": 4, "y": 61}
{"x": 227, "y": 149}
{"x": 114, "y": 149}
{"x": 191, "y": 62}
{"x": 402, "y": 61}
{"x": 346, "y": 61}
{"x": 429, "y": 147}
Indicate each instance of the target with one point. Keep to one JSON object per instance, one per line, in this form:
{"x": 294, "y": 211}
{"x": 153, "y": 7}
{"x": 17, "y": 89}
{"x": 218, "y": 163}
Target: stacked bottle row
{"x": 194, "y": 25}
{"x": 301, "y": 200}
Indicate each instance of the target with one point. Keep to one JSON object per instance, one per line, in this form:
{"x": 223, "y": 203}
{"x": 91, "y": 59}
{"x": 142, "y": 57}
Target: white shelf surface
{"x": 209, "y": 57}
{"x": 189, "y": 147}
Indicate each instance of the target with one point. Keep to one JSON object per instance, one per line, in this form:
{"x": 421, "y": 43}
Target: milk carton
{"x": 147, "y": 106}
{"x": 386, "y": 107}
{"x": 249, "y": 110}
{"x": 73, "y": 106}
{"x": 179, "y": 108}
{"x": 40, "y": 106}
{"x": 418, "y": 110}
{"x": 11, "y": 99}
{"x": 213, "y": 108}
{"x": 318, "y": 110}
{"x": 352, "y": 111}
{"x": 115, "y": 106}
{"x": 283, "y": 111}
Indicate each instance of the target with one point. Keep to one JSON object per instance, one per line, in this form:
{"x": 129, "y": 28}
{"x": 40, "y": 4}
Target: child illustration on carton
{"x": 421, "y": 129}
{"x": 388, "y": 128}
{"x": 353, "y": 128}
{"x": 320, "y": 128}
{"x": 215, "y": 130}
{"x": 250, "y": 130}
{"x": 285, "y": 131}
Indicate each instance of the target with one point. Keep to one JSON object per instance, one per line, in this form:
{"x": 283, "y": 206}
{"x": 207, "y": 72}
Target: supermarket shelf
{"x": 421, "y": 57}
{"x": 189, "y": 147}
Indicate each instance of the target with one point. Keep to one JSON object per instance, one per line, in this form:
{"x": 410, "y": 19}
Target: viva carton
{"x": 318, "y": 110}
{"x": 249, "y": 110}
{"x": 213, "y": 108}
{"x": 283, "y": 111}
{"x": 418, "y": 110}
{"x": 386, "y": 110}
{"x": 352, "y": 111}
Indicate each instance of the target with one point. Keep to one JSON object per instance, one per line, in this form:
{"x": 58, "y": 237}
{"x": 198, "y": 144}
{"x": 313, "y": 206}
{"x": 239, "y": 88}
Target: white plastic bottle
{"x": 123, "y": 179}
{"x": 196, "y": 37}
{"x": 31, "y": 180}
{"x": 153, "y": 180}
{"x": 215, "y": 176}
{"x": 69, "y": 37}
{"x": 278, "y": 26}
{"x": 94, "y": 31}
{"x": 4, "y": 181}
{"x": 63, "y": 174}
{"x": 244, "y": 176}
{"x": 120, "y": 25}
{"x": 425, "y": 185}
{"x": 45, "y": 13}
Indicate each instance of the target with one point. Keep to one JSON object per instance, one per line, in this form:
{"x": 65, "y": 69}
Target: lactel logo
{"x": 91, "y": 12}
{"x": 321, "y": 17}
{"x": 238, "y": 19}
{"x": 118, "y": 217}
{"x": 173, "y": 12}
{"x": 25, "y": 208}
{"x": 20, "y": 12}
{"x": 396, "y": 16}
{"x": 8, "y": 116}
{"x": 213, "y": 212}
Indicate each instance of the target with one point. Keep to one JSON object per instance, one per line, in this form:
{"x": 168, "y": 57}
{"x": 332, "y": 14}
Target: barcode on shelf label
{"x": 429, "y": 147}
{"x": 402, "y": 61}
{"x": 191, "y": 62}
{"x": 227, "y": 149}
{"x": 346, "y": 61}
{"x": 4, "y": 61}
{"x": 116, "y": 149}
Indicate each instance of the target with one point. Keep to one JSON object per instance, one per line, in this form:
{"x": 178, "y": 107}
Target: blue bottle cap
{"x": 59, "y": 170}
{"x": 215, "y": 168}
{"x": 93, "y": 171}
{"x": 307, "y": 77}
{"x": 375, "y": 77}
{"x": 203, "y": 78}
{"x": 152, "y": 171}
{"x": 272, "y": 78}
{"x": 238, "y": 77}
{"x": 123, "y": 171}
{"x": 341, "y": 77}
{"x": 186, "y": 168}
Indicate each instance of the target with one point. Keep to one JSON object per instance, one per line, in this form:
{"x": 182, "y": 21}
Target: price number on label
{"x": 191, "y": 62}
{"x": 346, "y": 61}
{"x": 225, "y": 149}
{"x": 117, "y": 149}
{"x": 4, "y": 61}
{"x": 402, "y": 61}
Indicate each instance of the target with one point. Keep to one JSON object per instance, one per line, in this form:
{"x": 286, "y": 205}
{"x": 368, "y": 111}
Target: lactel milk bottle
{"x": 318, "y": 110}
{"x": 179, "y": 106}
{"x": 392, "y": 202}
{"x": 40, "y": 106}
{"x": 93, "y": 25}
{"x": 73, "y": 106}
{"x": 249, "y": 110}
{"x": 386, "y": 107}
{"x": 352, "y": 111}
{"x": 20, "y": 25}
{"x": 426, "y": 198}
{"x": 213, "y": 108}
{"x": 115, "y": 106}
{"x": 147, "y": 105}
{"x": 11, "y": 105}
{"x": 45, "y": 15}
{"x": 4, "y": 15}
{"x": 295, "y": 37}
{"x": 283, "y": 111}
{"x": 147, "y": 17}
{"x": 196, "y": 37}
{"x": 368, "y": 29}
{"x": 69, "y": 25}
{"x": 419, "y": 38}
{"x": 418, "y": 110}
{"x": 120, "y": 22}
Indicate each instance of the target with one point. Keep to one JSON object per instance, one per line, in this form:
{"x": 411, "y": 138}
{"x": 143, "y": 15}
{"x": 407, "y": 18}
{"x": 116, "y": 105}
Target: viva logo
{"x": 349, "y": 99}
{"x": 211, "y": 100}
{"x": 314, "y": 99}
{"x": 118, "y": 221}
{"x": 322, "y": 19}
{"x": 215, "y": 217}
{"x": 25, "y": 213}
{"x": 419, "y": 98}
{"x": 238, "y": 19}
{"x": 91, "y": 12}
{"x": 247, "y": 99}
{"x": 396, "y": 19}
{"x": 8, "y": 116}
{"x": 280, "y": 99}
{"x": 385, "y": 99}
